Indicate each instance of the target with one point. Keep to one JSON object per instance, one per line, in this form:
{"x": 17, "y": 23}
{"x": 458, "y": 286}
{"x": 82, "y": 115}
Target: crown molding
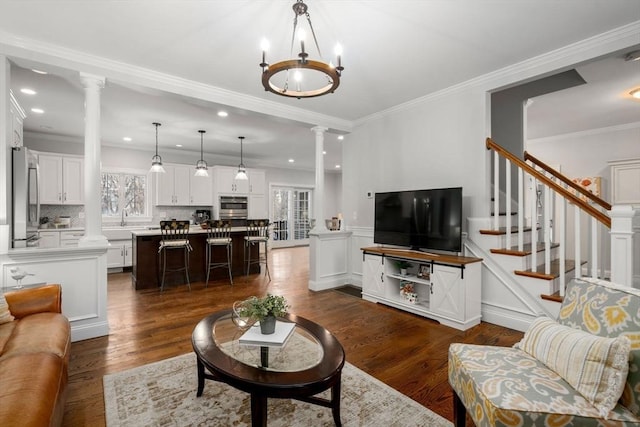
{"x": 547, "y": 63}
{"x": 585, "y": 133}
{"x": 47, "y": 53}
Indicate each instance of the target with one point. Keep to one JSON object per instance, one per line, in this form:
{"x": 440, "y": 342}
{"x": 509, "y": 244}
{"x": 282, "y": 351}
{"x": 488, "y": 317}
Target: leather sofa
{"x": 34, "y": 358}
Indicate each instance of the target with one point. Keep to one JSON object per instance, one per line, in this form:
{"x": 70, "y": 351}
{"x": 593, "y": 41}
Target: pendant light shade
{"x": 201, "y": 165}
{"x": 242, "y": 171}
{"x": 156, "y": 161}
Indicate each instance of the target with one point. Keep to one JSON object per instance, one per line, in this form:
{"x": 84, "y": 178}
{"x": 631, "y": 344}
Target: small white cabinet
{"x": 179, "y": 186}
{"x": 225, "y": 181}
{"x": 119, "y": 254}
{"x": 49, "y": 239}
{"x": 625, "y": 182}
{"x": 201, "y": 190}
{"x": 61, "y": 180}
{"x": 372, "y": 277}
{"x": 442, "y": 287}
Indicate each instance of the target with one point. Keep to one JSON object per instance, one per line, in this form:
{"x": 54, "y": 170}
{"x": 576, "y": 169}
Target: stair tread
{"x": 555, "y": 297}
{"x": 526, "y": 249}
{"x": 503, "y": 230}
{"x": 554, "y": 270}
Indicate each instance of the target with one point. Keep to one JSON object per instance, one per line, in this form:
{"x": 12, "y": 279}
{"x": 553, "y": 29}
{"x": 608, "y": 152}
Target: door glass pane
{"x": 280, "y": 214}
{"x": 290, "y": 215}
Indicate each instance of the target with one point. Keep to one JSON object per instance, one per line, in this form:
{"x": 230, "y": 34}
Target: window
{"x": 124, "y": 193}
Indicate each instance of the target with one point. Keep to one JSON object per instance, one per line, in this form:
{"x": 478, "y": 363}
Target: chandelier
{"x": 156, "y": 161}
{"x": 201, "y": 165}
{"x": 302, "y": 77}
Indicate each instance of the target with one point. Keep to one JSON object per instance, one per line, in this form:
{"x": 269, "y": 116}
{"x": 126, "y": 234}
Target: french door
{"x": 290, "y": 212}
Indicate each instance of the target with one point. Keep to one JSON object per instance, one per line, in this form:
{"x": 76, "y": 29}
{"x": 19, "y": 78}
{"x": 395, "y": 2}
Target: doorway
{"x": 290, "y": 210}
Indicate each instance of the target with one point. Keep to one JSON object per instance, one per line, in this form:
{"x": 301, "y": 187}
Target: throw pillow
{"x": 5, "y": 314}
{"x": 596, "y": 367}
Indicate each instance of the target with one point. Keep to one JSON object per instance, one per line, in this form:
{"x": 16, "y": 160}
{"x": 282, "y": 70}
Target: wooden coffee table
{"x": 310, "y": 362}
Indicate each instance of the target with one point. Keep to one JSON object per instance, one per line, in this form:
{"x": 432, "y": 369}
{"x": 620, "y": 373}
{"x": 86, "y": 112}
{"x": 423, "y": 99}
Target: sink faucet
{"x": 122, "y": 221}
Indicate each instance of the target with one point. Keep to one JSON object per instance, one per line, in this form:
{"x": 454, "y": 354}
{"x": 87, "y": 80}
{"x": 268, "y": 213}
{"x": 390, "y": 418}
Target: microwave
{"x": 234, "y": 207}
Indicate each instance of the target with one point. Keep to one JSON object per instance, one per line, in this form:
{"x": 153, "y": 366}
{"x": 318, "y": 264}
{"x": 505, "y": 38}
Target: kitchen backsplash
{"x": 51, "y": 212}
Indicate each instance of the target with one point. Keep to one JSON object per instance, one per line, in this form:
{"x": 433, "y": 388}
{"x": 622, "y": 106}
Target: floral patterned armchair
{"x": 505, "y": 386}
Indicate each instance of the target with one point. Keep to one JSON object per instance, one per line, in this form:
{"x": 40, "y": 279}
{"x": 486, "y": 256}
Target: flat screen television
{"x": 420, "y": 219}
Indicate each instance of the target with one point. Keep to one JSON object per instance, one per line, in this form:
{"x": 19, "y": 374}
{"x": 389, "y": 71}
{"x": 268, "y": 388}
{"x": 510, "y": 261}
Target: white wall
{"x": 587, "y": 153}
{"x": 436, "y": 142}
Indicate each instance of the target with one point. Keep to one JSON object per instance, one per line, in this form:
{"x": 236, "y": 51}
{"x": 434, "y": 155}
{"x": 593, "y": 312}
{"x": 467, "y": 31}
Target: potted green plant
{"x": 265, "y": 310}
{"x": 403, "y": 266}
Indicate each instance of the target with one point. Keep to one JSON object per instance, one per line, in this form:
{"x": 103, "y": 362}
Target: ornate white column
{"x": 93, "y": 214}
{"x": 318, "y": 194}
{"x": 622, "y": 244}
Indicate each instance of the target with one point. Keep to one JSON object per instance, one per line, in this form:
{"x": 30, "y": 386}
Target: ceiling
{"x": 180, "y": 62}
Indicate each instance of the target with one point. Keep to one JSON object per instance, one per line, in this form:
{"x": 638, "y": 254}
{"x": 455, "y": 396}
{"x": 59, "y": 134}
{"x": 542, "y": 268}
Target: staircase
{"x": 548, "y": 230}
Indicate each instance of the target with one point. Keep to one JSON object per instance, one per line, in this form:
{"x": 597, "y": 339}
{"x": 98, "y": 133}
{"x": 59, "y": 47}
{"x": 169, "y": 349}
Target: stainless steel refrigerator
{"x": 26, "y": 199}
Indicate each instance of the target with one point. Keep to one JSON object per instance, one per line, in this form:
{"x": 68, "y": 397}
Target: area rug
{"x": 164, "y": 394}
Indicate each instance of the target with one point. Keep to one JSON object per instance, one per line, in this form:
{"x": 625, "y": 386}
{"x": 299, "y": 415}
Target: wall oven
{"x": 233, "y": 207}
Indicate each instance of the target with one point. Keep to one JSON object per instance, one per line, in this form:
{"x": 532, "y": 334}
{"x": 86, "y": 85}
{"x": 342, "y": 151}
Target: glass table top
{"x": 301, "y": 351}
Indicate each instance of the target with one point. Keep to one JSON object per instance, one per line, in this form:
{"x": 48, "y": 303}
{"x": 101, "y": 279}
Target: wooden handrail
{"x": 567, "y": 181}
{"x": 604, "y": 219}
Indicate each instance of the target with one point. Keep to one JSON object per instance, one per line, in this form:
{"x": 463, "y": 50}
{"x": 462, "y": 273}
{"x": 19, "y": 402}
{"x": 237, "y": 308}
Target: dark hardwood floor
{"x": 405, "y": 351}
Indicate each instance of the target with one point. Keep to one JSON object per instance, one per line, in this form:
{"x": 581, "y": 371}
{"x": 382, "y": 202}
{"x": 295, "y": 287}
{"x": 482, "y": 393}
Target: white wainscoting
{"x": 329, "y": 260}
{"x": 82, "y": 272}
{"x": 362, "y": 237}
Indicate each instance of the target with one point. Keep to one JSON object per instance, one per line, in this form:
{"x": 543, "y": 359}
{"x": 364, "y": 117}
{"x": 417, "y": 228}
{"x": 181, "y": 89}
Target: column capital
{"x": 92, "y": 80}
{"x": 319, "y": 129}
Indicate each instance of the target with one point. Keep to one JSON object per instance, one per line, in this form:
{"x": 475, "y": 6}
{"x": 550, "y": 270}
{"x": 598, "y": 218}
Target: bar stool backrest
{"x": 219, "y": 230}
{"x": 174, "y": 233}
{"x": 258, "y": 229}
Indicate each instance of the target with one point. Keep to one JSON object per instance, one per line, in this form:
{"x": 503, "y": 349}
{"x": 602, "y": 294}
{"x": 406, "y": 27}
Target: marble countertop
{"x": 194, "y": 229}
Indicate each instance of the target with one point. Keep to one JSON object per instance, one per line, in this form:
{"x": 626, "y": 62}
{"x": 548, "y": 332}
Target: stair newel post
{"x": 560, "y": 224}
{"x": 622, "y": 255}
{"x": 534, "y": 223}
{"x": 576, "y": 233}
{"x": 547, "y": 230}
{"x": 496, "y": 189}
{"x": 520, "y": 209}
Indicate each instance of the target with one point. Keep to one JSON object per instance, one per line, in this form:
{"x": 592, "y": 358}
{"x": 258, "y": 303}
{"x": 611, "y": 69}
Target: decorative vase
{"x": 239, "y": 316}
{"x": 268, "y": 325}
{"x": 403, "y": 271}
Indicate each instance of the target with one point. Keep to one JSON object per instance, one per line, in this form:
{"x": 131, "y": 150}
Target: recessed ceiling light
{"x": 635, "y": 93}
{"x": 126, "y": 138}
{"x": 337, "y": 166}
{"x": 291, "y": 160}
{"x": 35, "y": 70}
{"x": 178, "y": 145}
{"x": 37, "y": 110}
{"x": 222, "y": 114}
{"x": 324, "y": 152}
{"x": 340, "y": 137}
{"x": 28, "y": 91}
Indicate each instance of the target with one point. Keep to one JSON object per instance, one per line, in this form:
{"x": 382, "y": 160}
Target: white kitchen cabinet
{"x": 225, "y": 182}
{"x": 445, "y": 288}
{"x": 372, "y": 277}
{"x": 257, "y": 208}
{"x": 119, "y": 254}
{"x": 257, "y": 181}
{"x": 625, "y": 182}
{"x": 17, "y": 117}
{"x": 49, "y": 239}
{"x": 201, "y": 190}
{"x": 70, "y": 238}
{"x": 61, "y": 180}
{"x": 172, "y": 187}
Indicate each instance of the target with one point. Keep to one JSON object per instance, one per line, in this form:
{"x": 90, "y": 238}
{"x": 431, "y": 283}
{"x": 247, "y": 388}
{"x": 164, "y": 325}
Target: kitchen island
{"x": 146, "y": 272}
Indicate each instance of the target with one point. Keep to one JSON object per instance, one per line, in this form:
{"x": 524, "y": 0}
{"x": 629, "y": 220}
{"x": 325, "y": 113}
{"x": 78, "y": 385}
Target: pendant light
{"x": 242, "y": 171}
{"x": 201, "y": 165}
{"x": 156, "y": 161}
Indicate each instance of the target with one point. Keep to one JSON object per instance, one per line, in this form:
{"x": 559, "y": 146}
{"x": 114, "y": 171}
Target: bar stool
{"x": 257, "y": 232}
{"x": 175, "y": 235}
{"x": 218, "y": 234}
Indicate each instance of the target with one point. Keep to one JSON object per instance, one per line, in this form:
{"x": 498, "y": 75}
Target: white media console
{"x": 445, "y": 288}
